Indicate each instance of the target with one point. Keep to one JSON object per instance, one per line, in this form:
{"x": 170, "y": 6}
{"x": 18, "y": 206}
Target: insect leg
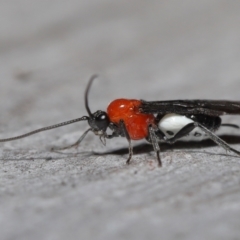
{"x": 160, "y": 135}
{"x": 154, "y": 140}
{"x": 124, "y": 129}
{"x": 183, "y": 132}
{"x": 216, "y": 139}
{"x": 229, "y": 125}
{"x": 75, "y": 144}
{"x": 114, "y": 134}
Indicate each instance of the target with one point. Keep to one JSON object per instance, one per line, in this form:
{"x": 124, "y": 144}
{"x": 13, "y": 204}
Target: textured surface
{"x": 142, "y": 49}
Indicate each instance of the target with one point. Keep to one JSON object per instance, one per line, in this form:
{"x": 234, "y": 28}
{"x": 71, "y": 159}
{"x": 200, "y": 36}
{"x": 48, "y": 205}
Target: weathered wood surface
{"x": 151, "y": 50}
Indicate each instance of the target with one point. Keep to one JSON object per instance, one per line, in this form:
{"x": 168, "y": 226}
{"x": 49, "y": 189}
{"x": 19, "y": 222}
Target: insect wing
{"x": 206, "y": 107}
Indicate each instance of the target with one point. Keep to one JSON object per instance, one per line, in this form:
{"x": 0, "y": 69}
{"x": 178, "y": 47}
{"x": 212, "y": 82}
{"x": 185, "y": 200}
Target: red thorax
{"x": 128, "y": 110}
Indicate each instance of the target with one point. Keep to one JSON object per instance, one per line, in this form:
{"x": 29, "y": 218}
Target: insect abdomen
{"x": 210, "y": 122}
{"x": 172, "y": 123}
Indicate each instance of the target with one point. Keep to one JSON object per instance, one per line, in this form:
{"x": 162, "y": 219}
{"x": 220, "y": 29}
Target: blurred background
{"x": 152, "y": 50}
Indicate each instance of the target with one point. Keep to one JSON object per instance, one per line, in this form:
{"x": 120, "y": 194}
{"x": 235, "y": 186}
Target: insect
{"x": 156, "y": 121}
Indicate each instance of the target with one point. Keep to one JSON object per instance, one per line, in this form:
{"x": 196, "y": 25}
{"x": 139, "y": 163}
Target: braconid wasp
{"x": 156, "y": 121}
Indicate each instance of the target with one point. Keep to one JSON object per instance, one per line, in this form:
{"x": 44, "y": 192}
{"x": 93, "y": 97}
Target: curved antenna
{"x": 45, "y": 129}
{"x": 86, "y": 94}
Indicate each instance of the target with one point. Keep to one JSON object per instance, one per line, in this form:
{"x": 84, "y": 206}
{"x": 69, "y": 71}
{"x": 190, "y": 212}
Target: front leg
{"x": 74, "y": 144}
{"x": 121, "y": 131}
{"x": 116, "y": 131}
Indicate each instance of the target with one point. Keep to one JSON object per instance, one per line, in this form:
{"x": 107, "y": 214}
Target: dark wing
{"x": 206, "y": 107}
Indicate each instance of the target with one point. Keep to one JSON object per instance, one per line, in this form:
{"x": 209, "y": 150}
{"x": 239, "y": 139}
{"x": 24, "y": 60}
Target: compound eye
{"x": 102, "y": 120}
{"x": 102, "y": 117}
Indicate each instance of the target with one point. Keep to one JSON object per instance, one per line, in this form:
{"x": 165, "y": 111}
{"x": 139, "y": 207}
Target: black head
{"x": 98, "y": 121}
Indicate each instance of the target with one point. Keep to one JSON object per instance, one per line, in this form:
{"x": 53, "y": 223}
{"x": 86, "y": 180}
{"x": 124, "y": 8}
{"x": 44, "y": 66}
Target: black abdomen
{"x": 210, "y": 122}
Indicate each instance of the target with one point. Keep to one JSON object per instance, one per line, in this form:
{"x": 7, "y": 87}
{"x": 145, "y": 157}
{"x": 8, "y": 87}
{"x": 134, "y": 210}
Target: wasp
{"x": 156, "y": 121}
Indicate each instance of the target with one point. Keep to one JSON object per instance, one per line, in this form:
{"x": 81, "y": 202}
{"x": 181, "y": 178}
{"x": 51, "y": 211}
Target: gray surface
{"x": 150, "y": 50}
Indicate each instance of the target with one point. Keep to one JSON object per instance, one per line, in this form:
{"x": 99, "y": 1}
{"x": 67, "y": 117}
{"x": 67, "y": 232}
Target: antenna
{"x": 86, "y": 94}
{"x": 45, "y": 129}
{"x": 59, "y": 124}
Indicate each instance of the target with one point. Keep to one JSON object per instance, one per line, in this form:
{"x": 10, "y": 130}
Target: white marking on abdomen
{"x": 172, "y": 123}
